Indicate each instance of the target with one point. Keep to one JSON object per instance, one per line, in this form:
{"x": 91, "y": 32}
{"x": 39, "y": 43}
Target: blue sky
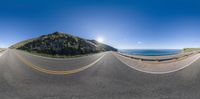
{"x": 124, "y": 24}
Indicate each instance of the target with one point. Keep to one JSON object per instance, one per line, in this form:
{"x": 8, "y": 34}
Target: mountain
{"x": 59, "y": 43}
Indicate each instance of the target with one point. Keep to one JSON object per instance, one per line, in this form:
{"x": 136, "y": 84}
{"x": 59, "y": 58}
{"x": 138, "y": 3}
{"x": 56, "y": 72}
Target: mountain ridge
{"x": 59, "y": 43}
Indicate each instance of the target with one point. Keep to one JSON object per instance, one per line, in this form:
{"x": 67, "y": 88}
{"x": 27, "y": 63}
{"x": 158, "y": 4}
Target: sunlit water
{"x": 151, "y": 52}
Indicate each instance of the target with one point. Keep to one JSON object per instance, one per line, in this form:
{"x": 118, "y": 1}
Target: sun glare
{"x": 100, "y": 39}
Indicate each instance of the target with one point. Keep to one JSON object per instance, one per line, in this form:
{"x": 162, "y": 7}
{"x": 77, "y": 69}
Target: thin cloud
{"x": 3, "y": 46}
{"x": 139, "y": 42}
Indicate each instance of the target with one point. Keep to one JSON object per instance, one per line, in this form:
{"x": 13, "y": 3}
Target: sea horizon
{"x": 151, "y": 52}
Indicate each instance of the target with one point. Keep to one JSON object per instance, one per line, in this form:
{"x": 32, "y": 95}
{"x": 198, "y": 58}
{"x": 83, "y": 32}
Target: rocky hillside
{"x": 59, "y": 43}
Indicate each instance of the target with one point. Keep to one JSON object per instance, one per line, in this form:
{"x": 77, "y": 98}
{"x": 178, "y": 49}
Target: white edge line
{"x": 159, "y": 72}
{"x": 82, "y": 68}
{"x": 91, "y": 64}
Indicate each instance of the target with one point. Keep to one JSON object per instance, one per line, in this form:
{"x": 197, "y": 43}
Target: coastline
{"x": 151, "y": 52}
{"x": 178, "y": 56}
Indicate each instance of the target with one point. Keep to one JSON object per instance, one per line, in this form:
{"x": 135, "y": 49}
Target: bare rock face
{"x": 62, "y": 44}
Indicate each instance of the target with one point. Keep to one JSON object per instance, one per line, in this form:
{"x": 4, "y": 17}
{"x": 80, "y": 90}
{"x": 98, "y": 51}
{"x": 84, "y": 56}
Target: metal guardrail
{"x": 163, "y": 59}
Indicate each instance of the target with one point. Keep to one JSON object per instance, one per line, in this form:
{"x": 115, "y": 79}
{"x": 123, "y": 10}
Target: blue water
{"x": 151, "y": 52}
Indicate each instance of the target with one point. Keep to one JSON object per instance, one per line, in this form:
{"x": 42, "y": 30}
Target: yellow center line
{"x": 56, "y": 72}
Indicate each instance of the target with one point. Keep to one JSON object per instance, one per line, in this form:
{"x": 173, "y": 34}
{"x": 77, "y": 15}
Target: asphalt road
{"x": 108, "y": 78}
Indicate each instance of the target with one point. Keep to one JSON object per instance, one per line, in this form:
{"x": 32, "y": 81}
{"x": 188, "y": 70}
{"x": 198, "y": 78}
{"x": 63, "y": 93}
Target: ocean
{"x": 151, "y": 52}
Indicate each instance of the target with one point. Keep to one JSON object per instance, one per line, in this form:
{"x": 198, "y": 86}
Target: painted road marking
{"x": 64, "y": 72}
{"x": 156, "y": 61}
{"x": 151, "y": 72}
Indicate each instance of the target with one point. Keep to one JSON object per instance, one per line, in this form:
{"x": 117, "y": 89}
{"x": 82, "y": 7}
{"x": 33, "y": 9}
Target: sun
{"x": 100, "y": 39}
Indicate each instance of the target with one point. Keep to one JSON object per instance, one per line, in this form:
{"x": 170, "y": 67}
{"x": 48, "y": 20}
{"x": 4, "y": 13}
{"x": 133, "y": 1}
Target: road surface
{"x": 107, "y": 78}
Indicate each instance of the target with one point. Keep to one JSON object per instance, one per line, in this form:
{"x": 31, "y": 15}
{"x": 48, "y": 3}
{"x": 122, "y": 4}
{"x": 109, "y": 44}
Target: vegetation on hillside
{"x": 2, "y": 49}
{"x": 191, "y": 49}
{"x": 59, "y": 43}
{"x": 22, "y": 43}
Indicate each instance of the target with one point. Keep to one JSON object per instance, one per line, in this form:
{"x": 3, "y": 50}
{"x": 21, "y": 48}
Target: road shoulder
{"x": 157, "y": 68}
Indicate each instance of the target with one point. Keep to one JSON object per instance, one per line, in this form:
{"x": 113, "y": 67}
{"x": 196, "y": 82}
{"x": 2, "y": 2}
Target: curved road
{"x": 108, "y": 78}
